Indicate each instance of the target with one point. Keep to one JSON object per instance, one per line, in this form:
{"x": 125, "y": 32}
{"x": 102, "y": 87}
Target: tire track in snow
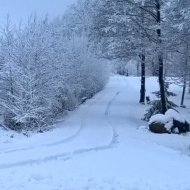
{"x": 115, "y": 135}
{"x": 60, "y": 141}
{"x": 70, "y": 155}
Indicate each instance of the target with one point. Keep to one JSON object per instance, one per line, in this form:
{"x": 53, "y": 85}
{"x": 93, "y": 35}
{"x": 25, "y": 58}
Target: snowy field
{"x": 103, "y": 145}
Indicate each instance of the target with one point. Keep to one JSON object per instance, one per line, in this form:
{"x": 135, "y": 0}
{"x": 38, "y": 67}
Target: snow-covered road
{"x": 90, "y": 129}
{"x": 98, "y": 146}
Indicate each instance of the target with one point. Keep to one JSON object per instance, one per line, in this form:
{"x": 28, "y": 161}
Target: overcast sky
{"x": 20, "y": 9}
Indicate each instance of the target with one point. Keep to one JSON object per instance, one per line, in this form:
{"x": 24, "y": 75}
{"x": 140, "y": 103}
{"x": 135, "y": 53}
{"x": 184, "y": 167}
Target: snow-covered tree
{"x": 123, "y": 28}
{"x": 179, "y": 45}
{"x": 46, "y": 69}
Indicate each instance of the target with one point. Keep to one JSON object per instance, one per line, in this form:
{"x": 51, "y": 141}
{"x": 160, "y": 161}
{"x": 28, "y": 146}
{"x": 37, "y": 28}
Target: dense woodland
{"x": 49, "y": 67}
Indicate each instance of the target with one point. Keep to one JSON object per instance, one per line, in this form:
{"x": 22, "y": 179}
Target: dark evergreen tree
{"x": 156, "y": 106}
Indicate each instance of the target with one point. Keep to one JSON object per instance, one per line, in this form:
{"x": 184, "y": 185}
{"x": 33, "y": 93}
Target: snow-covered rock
{"x": 171, "y": 122}
{"x": 160, "y": 118}
{"x": 160, "y": 123}
{"x": 157, "y": 127}
{"x": 175, "y": 115}
{"x": 179, "y": 121}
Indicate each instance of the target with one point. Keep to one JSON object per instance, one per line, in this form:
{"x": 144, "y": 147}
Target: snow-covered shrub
{"x": 9, "y": 121}
{"x": 43, "y": 73}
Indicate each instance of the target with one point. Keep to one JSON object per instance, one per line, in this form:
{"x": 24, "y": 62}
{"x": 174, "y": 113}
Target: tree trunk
{"x": 160, "y": 62}
{"x": 185, "y": 76}
{"x": 183, "y": 93}
{"x": 137, "y": 68}
{"x": 153, "y": 69}
{"x": 162, "y": 85}
{"x": 142, "y": 91}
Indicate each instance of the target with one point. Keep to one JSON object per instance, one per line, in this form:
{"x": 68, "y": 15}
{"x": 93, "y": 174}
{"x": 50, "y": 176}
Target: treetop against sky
{"x": 21, "y": 9}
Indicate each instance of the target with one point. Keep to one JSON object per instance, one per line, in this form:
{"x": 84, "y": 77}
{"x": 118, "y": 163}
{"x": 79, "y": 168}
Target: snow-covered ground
{"x": 103, "y": 145}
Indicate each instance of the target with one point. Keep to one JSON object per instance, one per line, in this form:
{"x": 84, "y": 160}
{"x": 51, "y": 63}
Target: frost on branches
{"x": 45, "y": 70}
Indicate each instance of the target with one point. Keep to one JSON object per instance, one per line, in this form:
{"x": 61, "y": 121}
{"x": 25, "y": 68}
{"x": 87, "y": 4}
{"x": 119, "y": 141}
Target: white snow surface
{"x": 175, "y": 115}
{"x": 102, "y": 145}
{"x": 160, "y": 118}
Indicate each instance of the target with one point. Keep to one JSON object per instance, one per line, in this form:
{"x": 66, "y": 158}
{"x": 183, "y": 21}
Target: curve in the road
{"x": 60, "y": 141}
{"x": 69, "y": 155}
